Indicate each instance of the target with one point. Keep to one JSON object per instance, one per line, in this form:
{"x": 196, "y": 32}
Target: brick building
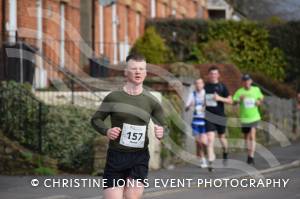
{"x": 47, "y": 26}
{"x": 69, "y": 32}
{"x": 118, "y": 25}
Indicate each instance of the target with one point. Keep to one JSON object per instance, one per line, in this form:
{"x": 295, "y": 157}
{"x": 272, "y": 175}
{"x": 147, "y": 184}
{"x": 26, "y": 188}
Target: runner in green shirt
{"x": 249, "y": 98}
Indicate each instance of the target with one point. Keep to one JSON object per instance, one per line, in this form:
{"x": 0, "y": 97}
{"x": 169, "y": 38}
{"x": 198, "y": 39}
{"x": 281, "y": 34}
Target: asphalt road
{"x": 19, "y": 187}
{"x": 291, "y": 191}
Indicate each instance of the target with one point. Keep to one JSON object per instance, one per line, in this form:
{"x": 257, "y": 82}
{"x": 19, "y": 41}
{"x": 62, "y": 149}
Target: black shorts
{"x": 220, "y": 128}
{"x": 123, "y": 165}
{"x": 246, "y": 128}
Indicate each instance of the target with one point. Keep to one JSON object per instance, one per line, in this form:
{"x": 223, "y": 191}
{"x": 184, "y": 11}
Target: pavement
{"x": 275, "y": 160}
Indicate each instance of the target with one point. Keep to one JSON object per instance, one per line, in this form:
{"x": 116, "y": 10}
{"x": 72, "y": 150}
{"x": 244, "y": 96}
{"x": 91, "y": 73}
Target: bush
{"x": 152, "y": 46}
{"x": 181, "y": 35}
{"x": 180, "y": 69}
{"x": 44, "y": 171}
{"x": 213, "y": 51}
{"x": 251, "y": 51}
{"x": 19, "y": 113}
{"x": 66, "y": 130}
{"x": 286, "y": 36}
{"x": 244, "y": 43}
{"x": 69, "y": 137}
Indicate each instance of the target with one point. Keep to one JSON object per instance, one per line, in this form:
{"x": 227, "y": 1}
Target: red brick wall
{"x": 72, "y": 15}
{"x": 25, "y": 21}
{"x": 51, "y": 31}
{"x": 51, "y": 25}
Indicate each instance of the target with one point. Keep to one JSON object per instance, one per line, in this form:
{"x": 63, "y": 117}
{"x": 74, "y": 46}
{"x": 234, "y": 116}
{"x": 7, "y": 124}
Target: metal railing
{"x": 22, "y": 116}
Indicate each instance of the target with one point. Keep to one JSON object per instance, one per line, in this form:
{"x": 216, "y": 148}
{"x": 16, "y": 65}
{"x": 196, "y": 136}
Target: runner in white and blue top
{"x": 196, "y": 100}
{"x": 198, "y": 123}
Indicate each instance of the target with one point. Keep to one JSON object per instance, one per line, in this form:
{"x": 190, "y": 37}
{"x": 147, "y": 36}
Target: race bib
{"x": 133, "y": 136}
{"x": 199, "y": 110}
{"x": 210, "y": 101}
{"x": 249, "y": 102}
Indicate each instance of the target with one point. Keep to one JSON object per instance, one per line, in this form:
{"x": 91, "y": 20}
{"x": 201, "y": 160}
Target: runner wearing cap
{"x": 130, "y": 110}
{"x": 249, "y": 99}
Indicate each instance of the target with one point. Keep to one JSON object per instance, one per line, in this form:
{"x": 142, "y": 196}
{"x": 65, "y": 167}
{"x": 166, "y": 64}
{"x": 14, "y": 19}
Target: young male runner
{"x": 130, "y": 110}
{"x": 249, "y": 98}
{"x": 196, "y": 100}
{"x": 216, "y": 95}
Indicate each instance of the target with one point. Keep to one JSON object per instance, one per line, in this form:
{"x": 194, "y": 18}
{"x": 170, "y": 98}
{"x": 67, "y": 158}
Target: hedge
{"x": 69, "y": 137}
{"x": 153, "y": 47}
{"x": 67, "y": 133}
{"x": 286, "y": 36}
{"x": 245, "y": 44}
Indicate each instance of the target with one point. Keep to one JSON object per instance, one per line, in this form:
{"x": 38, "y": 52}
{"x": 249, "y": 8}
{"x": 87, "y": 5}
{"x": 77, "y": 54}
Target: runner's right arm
{"x": 189, "y": 102}
{"x": 236, "y": 97}
{"x": 98, "y": 118}
{"x": 224, "y": 97}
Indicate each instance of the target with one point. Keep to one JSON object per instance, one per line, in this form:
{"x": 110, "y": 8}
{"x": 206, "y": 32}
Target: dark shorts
{"x": 220, "y": 128}
{"x": 123, "y": 165}
{"x": 246, "y": 128}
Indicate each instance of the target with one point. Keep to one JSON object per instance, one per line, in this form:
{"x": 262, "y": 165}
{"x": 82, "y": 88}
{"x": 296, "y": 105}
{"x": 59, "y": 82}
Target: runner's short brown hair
{"x": 135, "y": 57}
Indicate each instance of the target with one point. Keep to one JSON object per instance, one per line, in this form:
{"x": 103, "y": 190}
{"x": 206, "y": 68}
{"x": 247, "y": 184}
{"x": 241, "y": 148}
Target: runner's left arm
{"x": 260, "y": 97}
{"x": 158, "y": 118}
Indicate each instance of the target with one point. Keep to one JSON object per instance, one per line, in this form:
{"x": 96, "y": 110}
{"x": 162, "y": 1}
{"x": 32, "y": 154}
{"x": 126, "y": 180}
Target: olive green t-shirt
{"x": 248, "y": 109}
{"x": 132, "y": 114}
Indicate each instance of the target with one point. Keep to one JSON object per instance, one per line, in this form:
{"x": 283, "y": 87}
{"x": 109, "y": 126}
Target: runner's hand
{"x": 159, "y": 131}
{"x": 258, "y": 102}
{"x": 217, "y": 97}
{"x": 242, "y": 97}
{"x": 113, "y": 133}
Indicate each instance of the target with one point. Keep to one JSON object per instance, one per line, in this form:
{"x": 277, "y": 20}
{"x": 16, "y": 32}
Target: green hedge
{"x": 245, "y": 44}
{"x": 286, "y": 36}
{"x": 69, "y": 137}
{"x": 19, "y": 113}
{"x": 250, "y": 46}
{"x": 67, "y": 133}
{"x": 153, "y": 47}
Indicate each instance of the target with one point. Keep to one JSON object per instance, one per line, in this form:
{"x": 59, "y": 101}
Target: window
{"x": 173, "y": 12}
{"x": 217, "y": 14}
{"x": 153, "y": 8}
